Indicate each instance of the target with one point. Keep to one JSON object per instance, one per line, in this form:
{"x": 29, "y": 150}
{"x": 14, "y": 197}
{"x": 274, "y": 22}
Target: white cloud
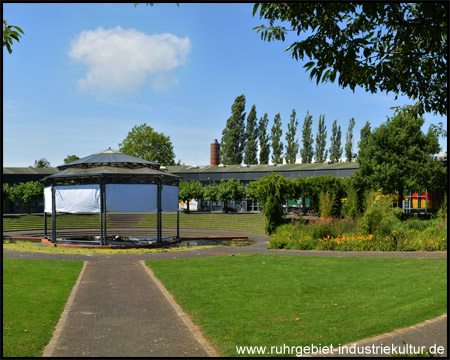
{"x": 120, "y": 60}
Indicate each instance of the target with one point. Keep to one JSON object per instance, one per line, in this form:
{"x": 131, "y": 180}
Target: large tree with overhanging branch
{"x": 380, "y": 46}
{"x": 399, "y": 157}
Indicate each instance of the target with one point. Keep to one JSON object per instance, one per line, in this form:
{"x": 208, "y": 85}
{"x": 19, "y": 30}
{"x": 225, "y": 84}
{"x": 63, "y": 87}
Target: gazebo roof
{"x": 113, "y": 166}
{"x": 110, "y": 158}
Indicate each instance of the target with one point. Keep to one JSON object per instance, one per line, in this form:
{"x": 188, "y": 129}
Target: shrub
{"x": 325, "y": 204}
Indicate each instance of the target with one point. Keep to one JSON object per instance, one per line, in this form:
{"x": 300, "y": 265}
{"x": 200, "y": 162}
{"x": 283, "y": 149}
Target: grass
{"x": 34, "y": 295}
{"x": 21, "y": 245}
{"x": 36, "y": 222}
{"x": 265, "y": 300}
{"x": 241, "y": 222}
{"x": 244, "y": 222}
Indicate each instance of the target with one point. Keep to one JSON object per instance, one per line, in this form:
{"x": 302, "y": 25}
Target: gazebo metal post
{"x": 159, "y": 216}
{"x": 53, "y": 213}
{"x": 45, "y": 224}
{"x": 101, "y": 212}
{"x": 104, "y": 211}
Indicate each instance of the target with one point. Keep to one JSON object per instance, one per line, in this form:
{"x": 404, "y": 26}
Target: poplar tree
{"x": 349, "y": 141}
{"x": 321, "y": 141}
{"x": 275, "y": 136}
{"x": 291, "y": 141}
{"x": 363, "y": 138}
{"x": 264, "y": 143}
{"x": 307, "y": 151}
{"x": 233, "y": 136}
{"x": 251, "y": 145}
{"x": 335, "y": 143}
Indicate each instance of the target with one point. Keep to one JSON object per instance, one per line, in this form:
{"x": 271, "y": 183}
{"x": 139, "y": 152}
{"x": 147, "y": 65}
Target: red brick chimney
{"x": 215, "y": 150}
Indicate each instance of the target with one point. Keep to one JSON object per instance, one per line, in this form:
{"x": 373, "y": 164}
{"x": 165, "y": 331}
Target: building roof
{"x": 110, "y": 158}
{"x": 29, "y": 171}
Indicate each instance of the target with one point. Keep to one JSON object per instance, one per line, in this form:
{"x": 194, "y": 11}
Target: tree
{"x": 291, "y": 141}
{"x": 275, "y": 136}
{"x": 321, "y": 141}
{"x": 233, "y": 136}
{"x": 70, "y": 158}
{"x": 363, "y": 137}
{"x": 9, "y": 34}
{"x": 31, "y": 190}
{"x": 42, "y": 163}
{"x": 307, "y": 151}
{"x": 379, "y": 46}
{"x": 230, "y": 190}
{"x": 189, "y": 190}
{"x": 335, "y": 146}
{"x": 399, "y": 157}
{"x": 251, "y": 145}
{"x": 349, "y": 141}
{"x": 264, "y": 143}
{"x": 145, "y": 143}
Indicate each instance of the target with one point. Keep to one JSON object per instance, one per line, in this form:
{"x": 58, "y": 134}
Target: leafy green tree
{"x": 399, "y": 156}
{"x": 272, "y": 191}
{"x": 275, "y": 136}
{"x": 307, "y": 151}
{"x": 233, "y": 136}
{"x": 70, "y": 158}
{"x": 42, "y": 163}
{"x": 250, "y": 190}
{"x": 190, "y": 190}
{"x": 335, "y": 146}
{"x": 31, "y": 190}
{"x": 10, "y": 34}
{"x": 264, "y": 143}
{"x": 291, "y": 141}
{"x": 321, "y": 141}
{"x": 364, "y": 137}
{"x": 379, "y": 46}
{"x": 211, "y": 192}
{"x": 230, "y": 190}
{"x": 251, "y": 145}
{"x": 145, "y": 143}
{"x": 349, "y": 141}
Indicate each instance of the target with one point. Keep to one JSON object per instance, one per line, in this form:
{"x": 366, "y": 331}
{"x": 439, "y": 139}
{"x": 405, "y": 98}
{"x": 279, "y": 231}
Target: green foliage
{"x": 251, "y": 134}
{"x": 335, "y": 146}
{"x": 189, "y": 190}
{"x": 398, "y": 156}
{"x": 230, "y": 190}
{"x": 291, "y": 141}
{"x": 264, "y": 143}
{"x": 275, "y": 136}
{"x": 211, "y": 192}
{"x": 10, "y": 34}
{"x": 321, "y": 141}
{"x": 325, "y": 204}
{"x": 307, "y": 151}
{"x": 70, "y": 158}
{"x": 350, "y": 206}
{"x": 250, "y": 190}
{"x": 6, "y": 191}
{"x": 233, "y": 135}
{"x": 42, "y": 163}
{"x": 349, "y": 141}
{"x": 272, "y": 191}
{"x": 364, "y": 138}
{"x": 145, "y": 143}
{"x": 394, "y": 47}
{"x": 442, "y": 212}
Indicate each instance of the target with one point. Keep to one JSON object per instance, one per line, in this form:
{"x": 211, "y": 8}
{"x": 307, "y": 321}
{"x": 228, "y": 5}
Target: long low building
{"x": 210, "y": 173}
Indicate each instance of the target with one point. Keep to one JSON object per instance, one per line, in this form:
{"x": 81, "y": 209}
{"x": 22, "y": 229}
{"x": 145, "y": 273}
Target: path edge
{"x": 51, "y": 346}
{"x": 196, "y": 333}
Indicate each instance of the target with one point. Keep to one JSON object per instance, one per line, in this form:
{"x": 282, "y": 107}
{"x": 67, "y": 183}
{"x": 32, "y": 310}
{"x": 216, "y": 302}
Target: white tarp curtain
{"x": 73, "y": 199}
{"x": 131, "y": 197}
{"x": 119, "y": 198}
{"x": 169, "y": 198}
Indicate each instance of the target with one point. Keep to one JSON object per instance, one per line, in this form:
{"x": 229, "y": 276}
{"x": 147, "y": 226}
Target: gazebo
{"x": 110, "y": 181}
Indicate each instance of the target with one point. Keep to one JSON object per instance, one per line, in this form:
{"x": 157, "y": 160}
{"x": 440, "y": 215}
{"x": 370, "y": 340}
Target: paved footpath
{"x": 109, "y": 315}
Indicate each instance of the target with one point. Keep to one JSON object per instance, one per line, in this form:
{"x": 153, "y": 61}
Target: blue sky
{"x": 84, "y": 74}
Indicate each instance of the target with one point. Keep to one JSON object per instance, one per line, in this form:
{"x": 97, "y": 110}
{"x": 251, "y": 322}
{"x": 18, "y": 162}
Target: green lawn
{"x": 266, "y": 300}
{"x": 238, "y": 222}
{"x": 34, "y": 295}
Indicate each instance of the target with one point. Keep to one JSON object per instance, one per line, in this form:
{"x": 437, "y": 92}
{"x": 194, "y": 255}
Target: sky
{"x": 83, "y": 75}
